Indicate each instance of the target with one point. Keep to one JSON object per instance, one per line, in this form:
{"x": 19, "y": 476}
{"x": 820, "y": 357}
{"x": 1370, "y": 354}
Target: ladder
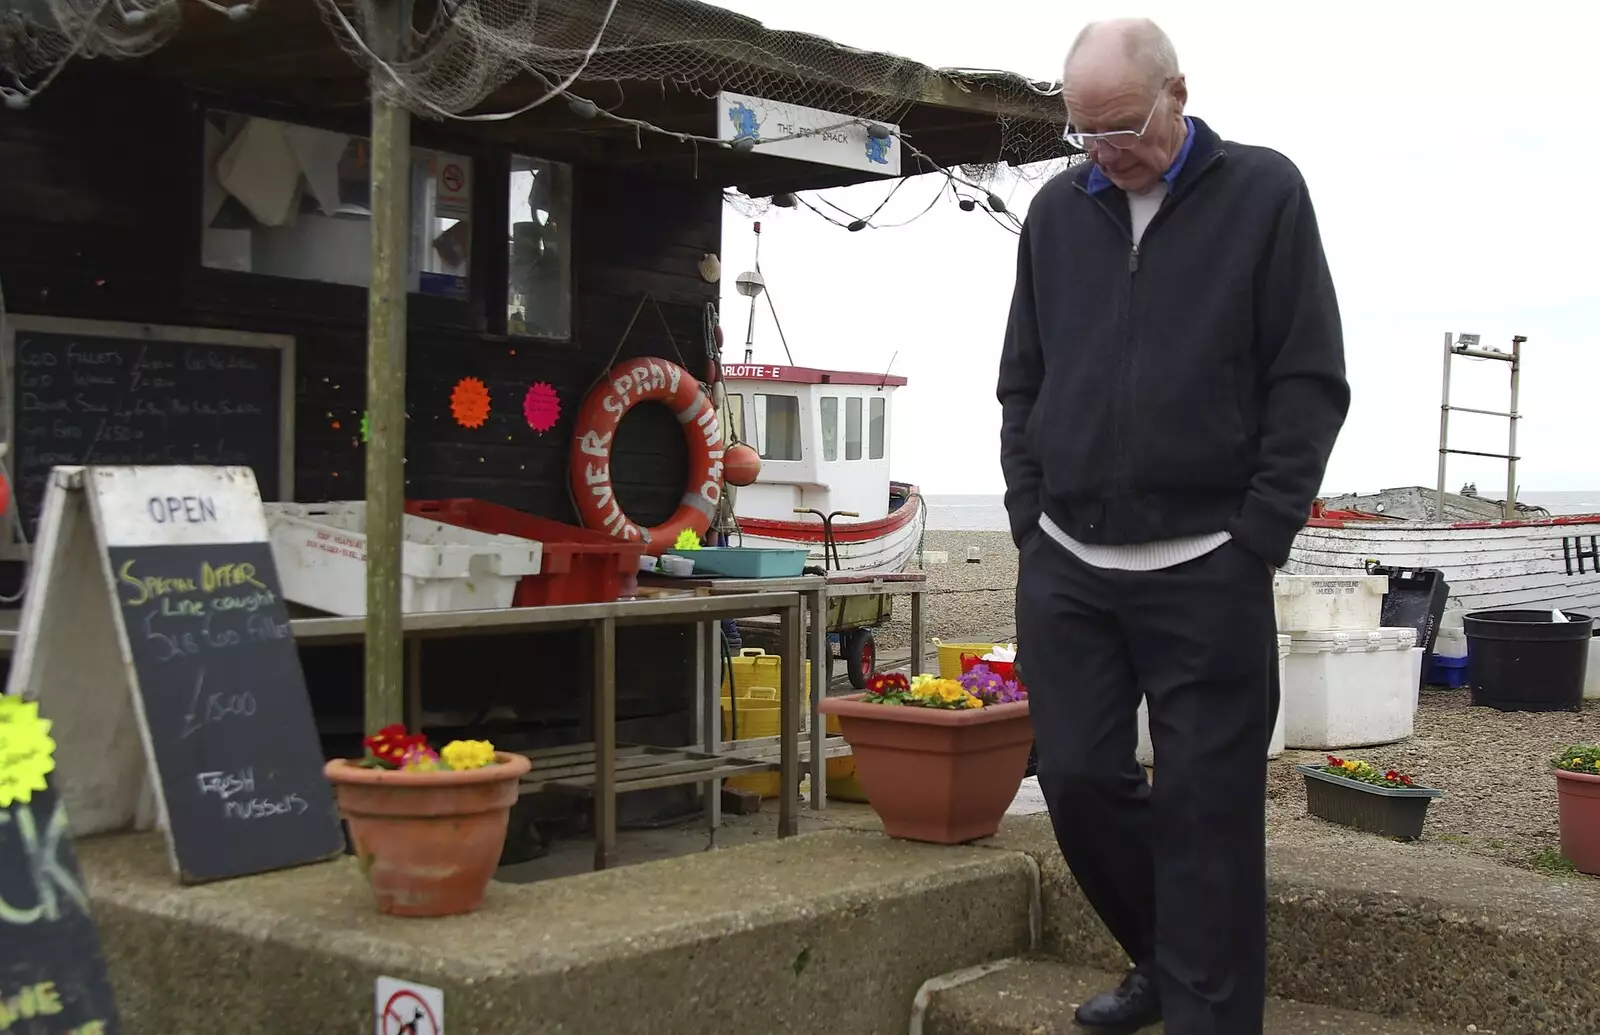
{"x": 1467, "y": 346}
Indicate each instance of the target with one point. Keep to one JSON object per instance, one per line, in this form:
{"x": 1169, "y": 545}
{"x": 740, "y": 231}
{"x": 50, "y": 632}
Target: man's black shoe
{"x": 1135, "y": 1004}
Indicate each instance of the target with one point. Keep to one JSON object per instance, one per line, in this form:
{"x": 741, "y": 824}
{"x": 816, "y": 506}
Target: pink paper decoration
{"x": 542, "y": 407}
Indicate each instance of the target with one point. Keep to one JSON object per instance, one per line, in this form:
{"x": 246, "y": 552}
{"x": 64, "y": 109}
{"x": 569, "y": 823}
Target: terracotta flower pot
{"x": 428, "y": 841}
{"x": 1578, "y": 795}
{"x": 937, "y": 775}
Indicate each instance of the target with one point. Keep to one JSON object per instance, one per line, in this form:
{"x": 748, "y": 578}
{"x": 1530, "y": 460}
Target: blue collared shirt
{"x": 1099, "y": 181}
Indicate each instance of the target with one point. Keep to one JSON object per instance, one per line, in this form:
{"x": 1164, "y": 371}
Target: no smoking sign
{"x": 407, "y": 1008}
{"x": 454, "y": 179}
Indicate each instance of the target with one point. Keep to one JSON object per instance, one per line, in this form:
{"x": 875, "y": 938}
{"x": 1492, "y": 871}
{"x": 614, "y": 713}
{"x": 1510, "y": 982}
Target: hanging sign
{"x": 807, "y": 134}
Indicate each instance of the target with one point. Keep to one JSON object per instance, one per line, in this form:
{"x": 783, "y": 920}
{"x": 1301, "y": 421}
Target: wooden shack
{"x": 113, "y": 208}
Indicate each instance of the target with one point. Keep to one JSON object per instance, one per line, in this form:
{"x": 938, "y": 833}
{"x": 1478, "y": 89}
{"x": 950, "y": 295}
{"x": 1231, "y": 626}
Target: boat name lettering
{"x": 748, "y": 371}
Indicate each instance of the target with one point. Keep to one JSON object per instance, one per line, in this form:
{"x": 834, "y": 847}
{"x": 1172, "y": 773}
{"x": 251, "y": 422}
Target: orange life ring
{"x": 647, "y": 379}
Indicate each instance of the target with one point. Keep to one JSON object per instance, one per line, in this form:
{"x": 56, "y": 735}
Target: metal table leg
{"x": 918, "y": 639}
{"x": 605, "y": 742}
{"x": 817, "y": 606}
{"x": 791, "y": 632}
{"x": 708, "y": 672}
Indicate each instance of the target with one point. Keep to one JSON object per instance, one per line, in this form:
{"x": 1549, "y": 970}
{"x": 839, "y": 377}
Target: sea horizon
{"x": 985, "y": 512}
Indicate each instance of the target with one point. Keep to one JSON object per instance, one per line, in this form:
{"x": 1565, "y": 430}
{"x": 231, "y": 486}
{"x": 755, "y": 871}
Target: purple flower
{"x": 986, "y": 685}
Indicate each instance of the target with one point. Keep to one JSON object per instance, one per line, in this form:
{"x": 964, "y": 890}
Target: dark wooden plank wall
{"x": 98, "y": 204}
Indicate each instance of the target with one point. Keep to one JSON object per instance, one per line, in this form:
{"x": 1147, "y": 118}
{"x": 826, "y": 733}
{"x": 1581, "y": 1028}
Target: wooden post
{"x": 386, "y": 373}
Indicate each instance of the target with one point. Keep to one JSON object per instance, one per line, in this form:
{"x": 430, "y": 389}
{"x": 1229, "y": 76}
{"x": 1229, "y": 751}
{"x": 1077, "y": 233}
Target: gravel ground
{"x": 1500, "y": 799}
{"x": 965, "y": 602}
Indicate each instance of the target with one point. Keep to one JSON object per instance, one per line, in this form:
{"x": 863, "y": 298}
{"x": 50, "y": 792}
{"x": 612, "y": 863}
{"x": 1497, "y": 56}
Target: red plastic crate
{"x": 580, "y": 566}
{"x": 1003, "y": 669}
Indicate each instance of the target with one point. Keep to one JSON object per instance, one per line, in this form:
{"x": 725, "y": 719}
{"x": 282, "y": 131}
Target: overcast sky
{"x": 1451, "y": 150}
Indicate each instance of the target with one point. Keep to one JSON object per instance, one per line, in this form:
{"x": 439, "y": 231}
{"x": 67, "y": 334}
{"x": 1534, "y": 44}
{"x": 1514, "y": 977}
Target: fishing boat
{"x": 1494, "y": 554}
{"x": 823, "y": 439}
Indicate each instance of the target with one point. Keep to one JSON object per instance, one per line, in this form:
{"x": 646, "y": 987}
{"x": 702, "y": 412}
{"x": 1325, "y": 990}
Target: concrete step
{"x": 830, "y": 932}
{"x": 1038, "y": 997}
{"x": 1413, "y": 931}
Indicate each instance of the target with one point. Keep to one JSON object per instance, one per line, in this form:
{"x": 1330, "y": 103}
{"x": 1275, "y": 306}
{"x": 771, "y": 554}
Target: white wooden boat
{"x": 823, "y": 437}
{"x": 1493, "y": 555}
{"x": 1532, "y": 562}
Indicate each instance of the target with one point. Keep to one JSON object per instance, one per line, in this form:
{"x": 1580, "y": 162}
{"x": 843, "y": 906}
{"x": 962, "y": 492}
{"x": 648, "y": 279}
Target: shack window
{"x": 539, "y": 295}
{"x": 777, "y": 427}
{"x": 285, "y": 200}
{"x": 876, "y": 432}
{"x": 830, "y": 428}
{"x": 736, "y": 433}
{"x": 852, "y": 428}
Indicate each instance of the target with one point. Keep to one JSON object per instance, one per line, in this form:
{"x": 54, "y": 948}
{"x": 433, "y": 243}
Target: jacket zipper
{"x": 1126, "y": 358}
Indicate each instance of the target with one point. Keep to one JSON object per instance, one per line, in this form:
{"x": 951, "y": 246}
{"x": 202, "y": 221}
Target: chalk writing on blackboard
{"x": 52, "y": 976}
{"x": 85, "y": 399}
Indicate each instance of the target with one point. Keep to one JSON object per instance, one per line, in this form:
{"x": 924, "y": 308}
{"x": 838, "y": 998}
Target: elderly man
{"x": 1172, "y": 382}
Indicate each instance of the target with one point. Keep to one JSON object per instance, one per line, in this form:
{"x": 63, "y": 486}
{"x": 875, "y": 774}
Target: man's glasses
{"x": 1121, "y": 139}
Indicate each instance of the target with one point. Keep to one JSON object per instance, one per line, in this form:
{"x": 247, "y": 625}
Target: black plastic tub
{"x": 1521, "y": 661}
{"x": 1396, "y": 812}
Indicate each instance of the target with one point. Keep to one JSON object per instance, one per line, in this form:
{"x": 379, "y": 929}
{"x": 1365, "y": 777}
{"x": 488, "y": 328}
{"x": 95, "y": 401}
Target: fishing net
{"x": 39, "y": 37}
{"x": 459, "y": 52}
{"x": 463, "y": 52}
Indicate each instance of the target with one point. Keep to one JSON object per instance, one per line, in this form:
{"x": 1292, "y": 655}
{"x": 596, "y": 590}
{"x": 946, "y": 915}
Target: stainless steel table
{"x": 602, "y": 768}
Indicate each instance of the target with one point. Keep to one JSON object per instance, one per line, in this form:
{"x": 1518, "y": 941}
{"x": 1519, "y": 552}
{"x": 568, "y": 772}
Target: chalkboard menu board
{"x": 52, "y": 976}
{"x": 225, "y": 706}
{"x": 83, "y": 392}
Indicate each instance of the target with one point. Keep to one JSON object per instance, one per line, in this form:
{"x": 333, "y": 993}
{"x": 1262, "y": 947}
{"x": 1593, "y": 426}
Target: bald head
{"x": 1130, "y": 46}
{"x": 1125, "y": 98}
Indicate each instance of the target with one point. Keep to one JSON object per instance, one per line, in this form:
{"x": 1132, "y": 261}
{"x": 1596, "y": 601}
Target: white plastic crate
{"x": 1351, "y": 688}
{"x": 1307, "y": 602}
{"x": 1146, "y": 750}
{"x": 321, "y": 553}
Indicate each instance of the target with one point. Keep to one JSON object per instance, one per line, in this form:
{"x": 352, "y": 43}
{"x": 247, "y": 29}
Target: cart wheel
{"x": 861, "y": 658}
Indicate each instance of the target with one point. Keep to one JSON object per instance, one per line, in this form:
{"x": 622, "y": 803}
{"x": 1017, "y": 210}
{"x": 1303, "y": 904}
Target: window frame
{"x": 762, "y": 407}
{"x": 829, "y": 457}
{"x": 877, "y": 427}
{"x": 288, "y": 299}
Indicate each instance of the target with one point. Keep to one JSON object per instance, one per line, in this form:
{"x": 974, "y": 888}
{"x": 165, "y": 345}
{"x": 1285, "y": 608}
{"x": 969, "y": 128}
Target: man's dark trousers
{"x": 1177, "y": 871}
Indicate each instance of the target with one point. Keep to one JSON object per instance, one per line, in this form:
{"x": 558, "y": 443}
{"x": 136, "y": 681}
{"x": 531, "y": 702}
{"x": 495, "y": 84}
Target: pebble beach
{"x": 965, "y": 602}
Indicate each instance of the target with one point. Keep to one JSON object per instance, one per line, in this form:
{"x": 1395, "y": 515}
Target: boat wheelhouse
{"x": 823, "y": 438}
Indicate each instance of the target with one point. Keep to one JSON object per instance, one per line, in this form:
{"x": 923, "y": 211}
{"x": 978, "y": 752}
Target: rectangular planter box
{"x": 1395, "y": 812}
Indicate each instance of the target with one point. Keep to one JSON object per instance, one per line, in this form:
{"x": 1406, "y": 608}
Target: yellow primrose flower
{"x": 467, "y": 754}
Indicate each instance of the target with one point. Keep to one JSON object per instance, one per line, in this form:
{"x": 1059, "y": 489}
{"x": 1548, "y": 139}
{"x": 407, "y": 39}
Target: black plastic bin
{"x": 1521, "y": 661}
{"x": 1415, "y": 600}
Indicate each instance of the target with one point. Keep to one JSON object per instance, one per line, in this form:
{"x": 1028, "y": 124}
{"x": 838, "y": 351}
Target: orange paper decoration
{"x": 469, "y": 402}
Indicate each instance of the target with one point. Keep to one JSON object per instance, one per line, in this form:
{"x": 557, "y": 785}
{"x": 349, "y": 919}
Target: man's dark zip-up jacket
{"x": 1192, "y": 384}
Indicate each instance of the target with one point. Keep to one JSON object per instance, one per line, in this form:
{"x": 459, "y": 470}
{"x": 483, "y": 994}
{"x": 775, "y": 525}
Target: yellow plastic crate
{"x": 950, "y": 656}
{"x": 754, "y": 667}
{"x": 758, "y": 716}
